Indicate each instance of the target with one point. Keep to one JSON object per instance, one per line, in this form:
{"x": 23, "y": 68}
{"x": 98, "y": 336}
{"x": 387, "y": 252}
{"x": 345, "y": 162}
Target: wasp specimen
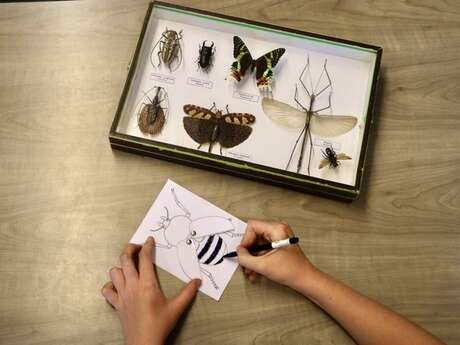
{"x": 169, "y": 50}
{"x": 331, "y": 158}
{"x": 308, "y": 117}
{"x": 263, "y": 65}
{"x": 210, "y": 126}
{"x": 153, "y": 113}
{"x": 206, "y": 56}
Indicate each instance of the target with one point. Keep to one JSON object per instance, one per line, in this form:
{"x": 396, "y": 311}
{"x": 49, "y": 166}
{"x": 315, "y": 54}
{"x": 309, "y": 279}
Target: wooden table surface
{"x": 69, "y": 204}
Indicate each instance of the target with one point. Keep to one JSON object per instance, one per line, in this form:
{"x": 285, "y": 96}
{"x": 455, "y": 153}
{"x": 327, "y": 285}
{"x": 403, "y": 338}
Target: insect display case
{"x": 249, "y": 99}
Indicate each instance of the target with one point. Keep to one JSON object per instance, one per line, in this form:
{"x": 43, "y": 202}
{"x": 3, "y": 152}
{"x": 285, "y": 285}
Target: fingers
{"x": 270, "y": 231}
{"x": 253, "y": 263}
{"x": 185, "y": 297}
{"x": 127, "y": 261}
{"x": 146, "y": 271}
{"x": 250, "y": 274}
{"x": 110, "y": 294}
{"x": 117, "y": 277}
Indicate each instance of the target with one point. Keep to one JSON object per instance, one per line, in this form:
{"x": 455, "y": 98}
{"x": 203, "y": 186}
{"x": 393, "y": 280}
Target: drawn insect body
{"x": 210, "y": 126}
{"x": 153, "y": 115}
{"x": 263, "y": 65}
{"x": 198, "y": 242}
{"x": 169, "y": 49}
{"x": 206, "y": 56}
{"x": 308, "y": 118}
{"x": 331, "y": 158}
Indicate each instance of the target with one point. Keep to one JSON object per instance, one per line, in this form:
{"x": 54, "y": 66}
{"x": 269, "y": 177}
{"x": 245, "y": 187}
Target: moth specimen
{"x": 210, "y": 126}
{"x": 308, "y": 117}
{"x": 263, "y": 65}
{"x": 331, "y": 158}
{"x": 153, "y": 112}
{"x": 169, "y": 50}
{"x": 206, "y": 56}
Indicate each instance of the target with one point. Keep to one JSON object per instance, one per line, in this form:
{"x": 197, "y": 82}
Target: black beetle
{"x": 206, "y": 56}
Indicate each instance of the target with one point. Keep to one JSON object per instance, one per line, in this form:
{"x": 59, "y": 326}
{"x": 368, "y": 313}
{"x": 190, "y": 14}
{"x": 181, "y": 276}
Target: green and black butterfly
{"x": 210, "y": 125}
{"x": 263, "y": 64}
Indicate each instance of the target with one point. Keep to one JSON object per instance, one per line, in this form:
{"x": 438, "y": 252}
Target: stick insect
{"x": 308, "y": 117}
{"x": 199, "y": 242}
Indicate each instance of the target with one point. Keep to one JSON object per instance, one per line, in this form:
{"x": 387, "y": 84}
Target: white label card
{"x": 191, "y": 237}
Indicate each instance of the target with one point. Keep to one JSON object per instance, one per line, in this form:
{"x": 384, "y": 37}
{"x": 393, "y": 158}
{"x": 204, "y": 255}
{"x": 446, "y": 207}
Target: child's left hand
{"x": 146, "y": 315}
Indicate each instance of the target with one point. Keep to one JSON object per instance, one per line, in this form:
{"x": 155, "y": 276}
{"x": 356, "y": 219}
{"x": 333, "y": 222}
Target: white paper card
{"x": 191, "y": 236}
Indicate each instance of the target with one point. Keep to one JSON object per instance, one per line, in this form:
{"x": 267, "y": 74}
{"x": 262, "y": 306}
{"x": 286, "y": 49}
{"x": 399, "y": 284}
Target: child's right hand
{"x": 288, "y": 266}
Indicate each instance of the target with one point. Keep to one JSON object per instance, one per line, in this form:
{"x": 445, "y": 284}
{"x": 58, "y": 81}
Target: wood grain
{"x": 68, "y": 203}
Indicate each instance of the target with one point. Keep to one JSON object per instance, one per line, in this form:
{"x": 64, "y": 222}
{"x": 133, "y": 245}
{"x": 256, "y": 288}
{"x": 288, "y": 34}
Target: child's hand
{"x": 146, "y": 315}
{"x": 286, "y": 266}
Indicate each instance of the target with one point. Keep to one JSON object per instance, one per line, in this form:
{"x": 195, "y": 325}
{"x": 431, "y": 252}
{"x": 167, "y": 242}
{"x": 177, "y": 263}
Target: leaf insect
{"x": 153, "y": 114}
{"x": 199, "y": 242}
{"x": 169, "y": 49}
{"x": 308, "y": 117}
{"x": 263, "y": 65}
{"x": 210, "y": 126}
{"x": 331, "y": 158}
{"x": 206, "y": 56}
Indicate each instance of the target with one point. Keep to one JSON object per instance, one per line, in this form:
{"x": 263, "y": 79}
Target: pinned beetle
{"x": 206, "y": 56}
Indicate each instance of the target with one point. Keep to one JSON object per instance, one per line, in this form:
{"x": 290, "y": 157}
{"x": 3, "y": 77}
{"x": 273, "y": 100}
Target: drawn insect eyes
{"x": 189, "y": 241}
{"x": 193, "y": 233}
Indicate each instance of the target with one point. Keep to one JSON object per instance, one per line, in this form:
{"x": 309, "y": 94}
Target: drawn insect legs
{"x": 198, "y": 242}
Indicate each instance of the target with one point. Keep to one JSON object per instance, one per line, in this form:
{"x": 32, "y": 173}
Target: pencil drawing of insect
{"x": 210, "y": 126}
{"x": 206, "y": 56}
{"x": 331, "y": 158}
{"x": 153, "y": 112}
{"x": 200, "y": 243}
{"x": 263, "y": 65}
{"x": 169, "y": 50}
{"x": 307, "y": 117}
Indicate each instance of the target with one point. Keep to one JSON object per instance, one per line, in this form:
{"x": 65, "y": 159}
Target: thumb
{"x": 247, "y": 260}
{"x": 185, "y": 297}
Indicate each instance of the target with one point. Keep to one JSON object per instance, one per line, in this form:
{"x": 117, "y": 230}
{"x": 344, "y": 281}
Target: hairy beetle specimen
{"x": 206, "y": 56}
{"x": 153, "y": 113}
{"x": 169, "y": 50}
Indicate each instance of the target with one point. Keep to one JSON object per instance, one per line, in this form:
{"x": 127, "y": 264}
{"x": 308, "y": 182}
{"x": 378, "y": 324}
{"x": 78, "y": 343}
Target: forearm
{"x": 367, "y": 321}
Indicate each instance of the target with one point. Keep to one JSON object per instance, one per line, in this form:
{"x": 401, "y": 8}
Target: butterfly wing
{"x": 283, "y": 114}
{"x": 234, "y": 129}
{"x": 264, "y": 66}
{"x": 243, "y": 59}
{"x": 332, "y": 125}
{"x": 200, "y": 123}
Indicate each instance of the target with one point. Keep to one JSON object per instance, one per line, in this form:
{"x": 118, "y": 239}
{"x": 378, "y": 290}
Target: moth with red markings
{"x": 210, "y": 126}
